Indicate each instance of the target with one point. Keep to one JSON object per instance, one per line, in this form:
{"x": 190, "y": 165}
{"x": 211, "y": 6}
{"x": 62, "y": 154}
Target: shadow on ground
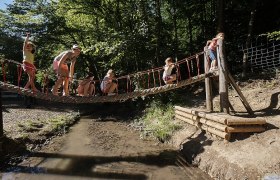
{"x": 194, "y": 146}
{"x": 86, "y": 166}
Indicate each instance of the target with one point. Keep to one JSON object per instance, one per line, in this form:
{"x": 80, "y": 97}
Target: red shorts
{"x": 28, "y": 66}
{"x": 64, "y": 71}
{"x": 55, "y": 65}
{"x": 167, "y": 78}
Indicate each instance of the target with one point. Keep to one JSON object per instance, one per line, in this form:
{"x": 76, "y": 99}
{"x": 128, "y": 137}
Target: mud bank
{"x": 250, "y": 156}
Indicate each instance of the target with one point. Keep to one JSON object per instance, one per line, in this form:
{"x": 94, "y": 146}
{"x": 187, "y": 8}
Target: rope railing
{"x": 130, "y": 86}
{"x": 102, "y": 99}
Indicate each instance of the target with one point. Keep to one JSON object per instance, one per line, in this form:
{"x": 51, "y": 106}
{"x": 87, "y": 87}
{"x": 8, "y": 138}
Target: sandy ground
{"x": 106, "y": 147}
{"x": 247, "y": 155}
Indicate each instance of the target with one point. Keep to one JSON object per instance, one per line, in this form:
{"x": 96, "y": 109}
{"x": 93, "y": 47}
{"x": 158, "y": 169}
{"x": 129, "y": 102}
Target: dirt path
{"x": 103, "y": 149}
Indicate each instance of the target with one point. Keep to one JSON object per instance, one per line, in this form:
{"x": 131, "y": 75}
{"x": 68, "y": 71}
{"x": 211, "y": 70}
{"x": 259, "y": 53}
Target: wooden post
{"x": 223, "y": 71}
{"x": 1, "y": 123}
{"x": 208, "y": 84}
{"x": 240, "y": 95}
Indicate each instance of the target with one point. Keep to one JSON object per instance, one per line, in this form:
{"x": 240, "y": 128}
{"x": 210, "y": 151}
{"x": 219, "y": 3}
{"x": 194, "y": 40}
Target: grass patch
{"x": 47, "y": 127}
{"x": 30, "y": 126}
{"x": 60, "y": 123}
{"x": 158, "y": 121}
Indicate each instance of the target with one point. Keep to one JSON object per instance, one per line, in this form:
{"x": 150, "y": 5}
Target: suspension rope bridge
{"x": 151, "y": 82}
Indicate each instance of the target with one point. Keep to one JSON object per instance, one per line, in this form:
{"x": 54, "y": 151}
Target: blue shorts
{"x": 212, "y": 54}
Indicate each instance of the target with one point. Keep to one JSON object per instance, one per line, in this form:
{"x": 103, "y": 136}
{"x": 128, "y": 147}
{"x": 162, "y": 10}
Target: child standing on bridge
{"x": 60, "y": 66}
{"x": 168, "y": 77}
{"x": 213, "y": 50}
{"x": 28, "y": 62}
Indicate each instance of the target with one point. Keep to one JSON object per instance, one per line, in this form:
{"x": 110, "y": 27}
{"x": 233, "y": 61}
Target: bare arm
{"x": 216, "y": 38}
{"x": 72, "y": 65}
{"x": 208, "y": 42}
{"x": 61, "y": 61}
{"x": 25, "y": 41}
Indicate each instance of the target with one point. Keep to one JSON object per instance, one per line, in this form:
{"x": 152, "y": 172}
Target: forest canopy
{"x": 132, "y": 35}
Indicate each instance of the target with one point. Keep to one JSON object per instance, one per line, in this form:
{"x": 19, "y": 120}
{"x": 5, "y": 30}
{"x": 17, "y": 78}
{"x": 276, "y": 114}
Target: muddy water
{"x": 104, "y": 149}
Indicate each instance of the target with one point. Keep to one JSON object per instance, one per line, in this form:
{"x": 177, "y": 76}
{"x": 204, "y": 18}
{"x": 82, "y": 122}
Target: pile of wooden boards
{"x": 220, "y": 125}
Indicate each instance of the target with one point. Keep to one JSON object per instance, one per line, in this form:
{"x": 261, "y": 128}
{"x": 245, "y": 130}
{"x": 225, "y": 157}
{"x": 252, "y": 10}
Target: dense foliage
{"x": 129, "y": 36}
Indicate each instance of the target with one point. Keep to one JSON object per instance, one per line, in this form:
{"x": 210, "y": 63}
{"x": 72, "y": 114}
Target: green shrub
{"x": 158, "y": 121}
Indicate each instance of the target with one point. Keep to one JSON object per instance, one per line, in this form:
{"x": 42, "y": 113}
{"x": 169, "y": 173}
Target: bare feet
{"x": 54, "y": 93}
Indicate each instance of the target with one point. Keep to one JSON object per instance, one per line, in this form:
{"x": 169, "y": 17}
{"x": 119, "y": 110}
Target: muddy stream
{"x": 103, "y": 148}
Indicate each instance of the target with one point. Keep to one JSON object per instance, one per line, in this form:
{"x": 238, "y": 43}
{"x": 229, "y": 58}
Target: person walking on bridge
{"x": 28, "y": 62}
{"x": 60, "y": 66}
{"x": 213, "y": 50}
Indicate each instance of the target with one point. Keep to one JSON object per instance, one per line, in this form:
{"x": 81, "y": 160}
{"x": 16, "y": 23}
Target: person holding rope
{"x": 168, "y": 77}
{"x": 109, "y": 83}
{"x": 28, "y": 62}
{"x": 60, "y": 66}
{"x": 86, "y": 86}
{"x": 212, "y": 50}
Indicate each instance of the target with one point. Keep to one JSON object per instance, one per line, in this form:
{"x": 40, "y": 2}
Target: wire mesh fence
{"x": 262, "y": 53}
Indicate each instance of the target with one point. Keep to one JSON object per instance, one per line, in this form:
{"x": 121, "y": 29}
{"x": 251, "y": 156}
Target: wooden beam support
{"x": 208, "y": 84}
{"x": 213, "y": 124}
{"x": 205, "y": 115}
{"x": 223, "y": 71}
{"x": 241, "y": 129}
{"x": 187, "y": 115}
{"x": 187, "y": 120}
{"x": 245, "y": 121}
{"x": 240, "y": 94}
{"x": 221, "y": 134}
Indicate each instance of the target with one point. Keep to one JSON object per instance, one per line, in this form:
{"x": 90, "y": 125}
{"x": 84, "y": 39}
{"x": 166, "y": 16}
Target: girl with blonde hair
{"x": 28, "y": 62}
{"x": 168, "y": 77}
{"x": 212, "y": 50}
{"x": 109, "y": 83}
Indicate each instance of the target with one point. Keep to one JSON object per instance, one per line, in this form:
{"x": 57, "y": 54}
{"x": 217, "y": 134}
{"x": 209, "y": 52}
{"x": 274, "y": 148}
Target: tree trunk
{"x": 189, "y": 27}
{"x": 1, "y": 123}
{"x": 158, "y": 27}
{"x": 248, "y": 40}
{"x": 223, "y": 71}
{"x": 1, "y": 116}
{"x": 208, "y": 84}
{"x": 175, "y": 28}
{"x": 220, "y": 16}
{"x": 119, "y": 16}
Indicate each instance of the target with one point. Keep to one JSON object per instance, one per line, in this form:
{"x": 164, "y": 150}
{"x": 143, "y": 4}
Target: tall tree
{"x": 249, "y": 35}
{"x": 158, "y": 27}
{"x": 220, "y": 16}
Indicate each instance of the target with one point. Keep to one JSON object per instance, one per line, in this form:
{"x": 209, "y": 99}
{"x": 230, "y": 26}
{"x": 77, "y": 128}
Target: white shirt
{"x": 167, "y": 70}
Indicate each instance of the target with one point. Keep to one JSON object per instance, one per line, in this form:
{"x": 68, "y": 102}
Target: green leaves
{"x": 274, "y": 35}
{"x": 128, "y": 36}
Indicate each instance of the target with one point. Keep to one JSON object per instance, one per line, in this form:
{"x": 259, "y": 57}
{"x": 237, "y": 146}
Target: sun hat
{"x": 75, "y": 46}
